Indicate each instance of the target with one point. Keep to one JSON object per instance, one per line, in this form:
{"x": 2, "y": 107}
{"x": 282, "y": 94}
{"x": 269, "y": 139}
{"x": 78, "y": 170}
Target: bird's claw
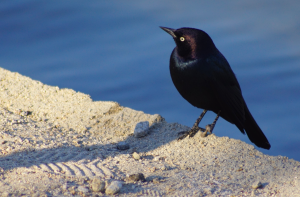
{"x": 183, "y": 135}
{"x": 207, "y": 131}
{"x": 208, "y": 128}
{"x": 191, "y": 133}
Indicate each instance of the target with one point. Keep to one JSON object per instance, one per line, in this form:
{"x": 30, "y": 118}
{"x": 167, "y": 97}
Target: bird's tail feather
{"x": 254, "y": 132}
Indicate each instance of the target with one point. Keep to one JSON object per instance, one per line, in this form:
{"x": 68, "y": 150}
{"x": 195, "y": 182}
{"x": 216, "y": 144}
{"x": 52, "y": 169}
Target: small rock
{"x": 165, "y": 167}
{"x": 79, "y": 142}
{"x": 156, "y": 181}
{"x": 152, "y": 169}
{"x": 91, "y": 148}
{"x": 136, "y": 177}
{"x": 98, "y": 185}
{"x": 158, "y": 158}
{"x": 113, "y": 188}
{"x": 141, "y": 129}
{"x": 208, "y": 191}
{"x": 256, "y": 184}
{"x": 122, "y": 146}
{"x": 25, "y": 113}
{"x": 83, "y": 189}
{"x": 65, "y": 186}
{"x": 35, "y": 194}
{"x": 5, "y": 194}
{"x": 2, "y": 141}
{"x": 72, "y": 191}
{"x": 108, "y": 182}
{"x": 136, "y": 156}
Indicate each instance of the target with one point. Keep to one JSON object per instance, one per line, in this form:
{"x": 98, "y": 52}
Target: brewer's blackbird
{"x": 203, "y": 77}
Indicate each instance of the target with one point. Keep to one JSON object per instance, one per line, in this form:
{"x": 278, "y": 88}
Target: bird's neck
{"x": 185, "y": 55}
{"x": 180, "y": 62}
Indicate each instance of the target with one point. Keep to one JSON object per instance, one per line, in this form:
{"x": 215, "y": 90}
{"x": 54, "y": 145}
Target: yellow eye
{"x": 182, "y": 39}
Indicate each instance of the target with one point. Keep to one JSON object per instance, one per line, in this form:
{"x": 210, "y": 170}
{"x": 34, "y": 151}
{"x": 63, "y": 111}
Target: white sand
{"x": 53, "y": 142}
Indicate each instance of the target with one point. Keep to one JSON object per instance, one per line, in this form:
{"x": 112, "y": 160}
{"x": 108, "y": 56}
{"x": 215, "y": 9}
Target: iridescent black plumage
{"x": 204, "y": 78}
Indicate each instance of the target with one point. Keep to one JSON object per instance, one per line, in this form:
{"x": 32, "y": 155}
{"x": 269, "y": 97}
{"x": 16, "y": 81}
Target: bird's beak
{"x": 169, "y": 31}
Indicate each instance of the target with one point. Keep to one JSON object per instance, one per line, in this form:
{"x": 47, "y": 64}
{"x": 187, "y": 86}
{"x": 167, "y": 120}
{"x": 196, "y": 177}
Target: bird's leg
{"x": 199, "y": 119}
{"x": 209, "y": 128}
{"x": 212, "y": 126}
{"x": 195, "y": 127}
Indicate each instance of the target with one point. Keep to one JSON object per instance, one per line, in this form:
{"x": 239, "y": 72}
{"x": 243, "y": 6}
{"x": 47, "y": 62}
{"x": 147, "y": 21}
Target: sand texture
{"x": 59, "y": 142}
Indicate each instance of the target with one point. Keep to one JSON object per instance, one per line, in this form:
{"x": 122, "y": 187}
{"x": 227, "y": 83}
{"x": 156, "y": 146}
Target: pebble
{"x": 136, "y": 156}
{"x": 152, "y": 169}
{"x": 113, "y": 188}
{"x": 122, "y": 146}
{"x": 2, "y": 141}
{"x": 4, "y": 194}
{"x": 98, "y": 185}
{"x": 83, "y": 189}
{"x": 165, "y": 167}
{"x": 25, "y": 113}
{"x": 156, "y": 180}
{"x": 141, "y": 129}
{"x": 137, "y": 177}
{"x": 65, "y": 186}
{"x": 256, "y": 184}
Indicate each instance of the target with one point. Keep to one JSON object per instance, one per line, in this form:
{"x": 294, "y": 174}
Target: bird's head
{"x": 191, "y": 43}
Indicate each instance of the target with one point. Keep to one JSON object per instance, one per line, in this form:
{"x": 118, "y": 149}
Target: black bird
{"x": 203, "y": 77}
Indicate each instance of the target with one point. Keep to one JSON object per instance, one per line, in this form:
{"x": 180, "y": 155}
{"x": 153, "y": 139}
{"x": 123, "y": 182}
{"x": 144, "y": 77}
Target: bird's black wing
{"x": 227, "y": 90}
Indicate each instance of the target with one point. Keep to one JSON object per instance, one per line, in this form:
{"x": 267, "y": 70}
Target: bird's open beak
{"x": 169, "y": 31}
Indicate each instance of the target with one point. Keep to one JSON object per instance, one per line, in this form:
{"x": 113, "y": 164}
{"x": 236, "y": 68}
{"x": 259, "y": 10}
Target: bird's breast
{"x": 191, "y": 79}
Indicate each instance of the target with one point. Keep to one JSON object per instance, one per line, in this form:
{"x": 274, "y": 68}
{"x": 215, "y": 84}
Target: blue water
{"x": 114, "y": 50}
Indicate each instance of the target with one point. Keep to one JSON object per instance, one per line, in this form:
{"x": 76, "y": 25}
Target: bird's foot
{"x": 191, "y": 133}
{"x": 208, "y": 130}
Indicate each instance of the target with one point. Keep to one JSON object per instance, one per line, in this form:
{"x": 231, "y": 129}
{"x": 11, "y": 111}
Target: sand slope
{"x": 54, "y": 142}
